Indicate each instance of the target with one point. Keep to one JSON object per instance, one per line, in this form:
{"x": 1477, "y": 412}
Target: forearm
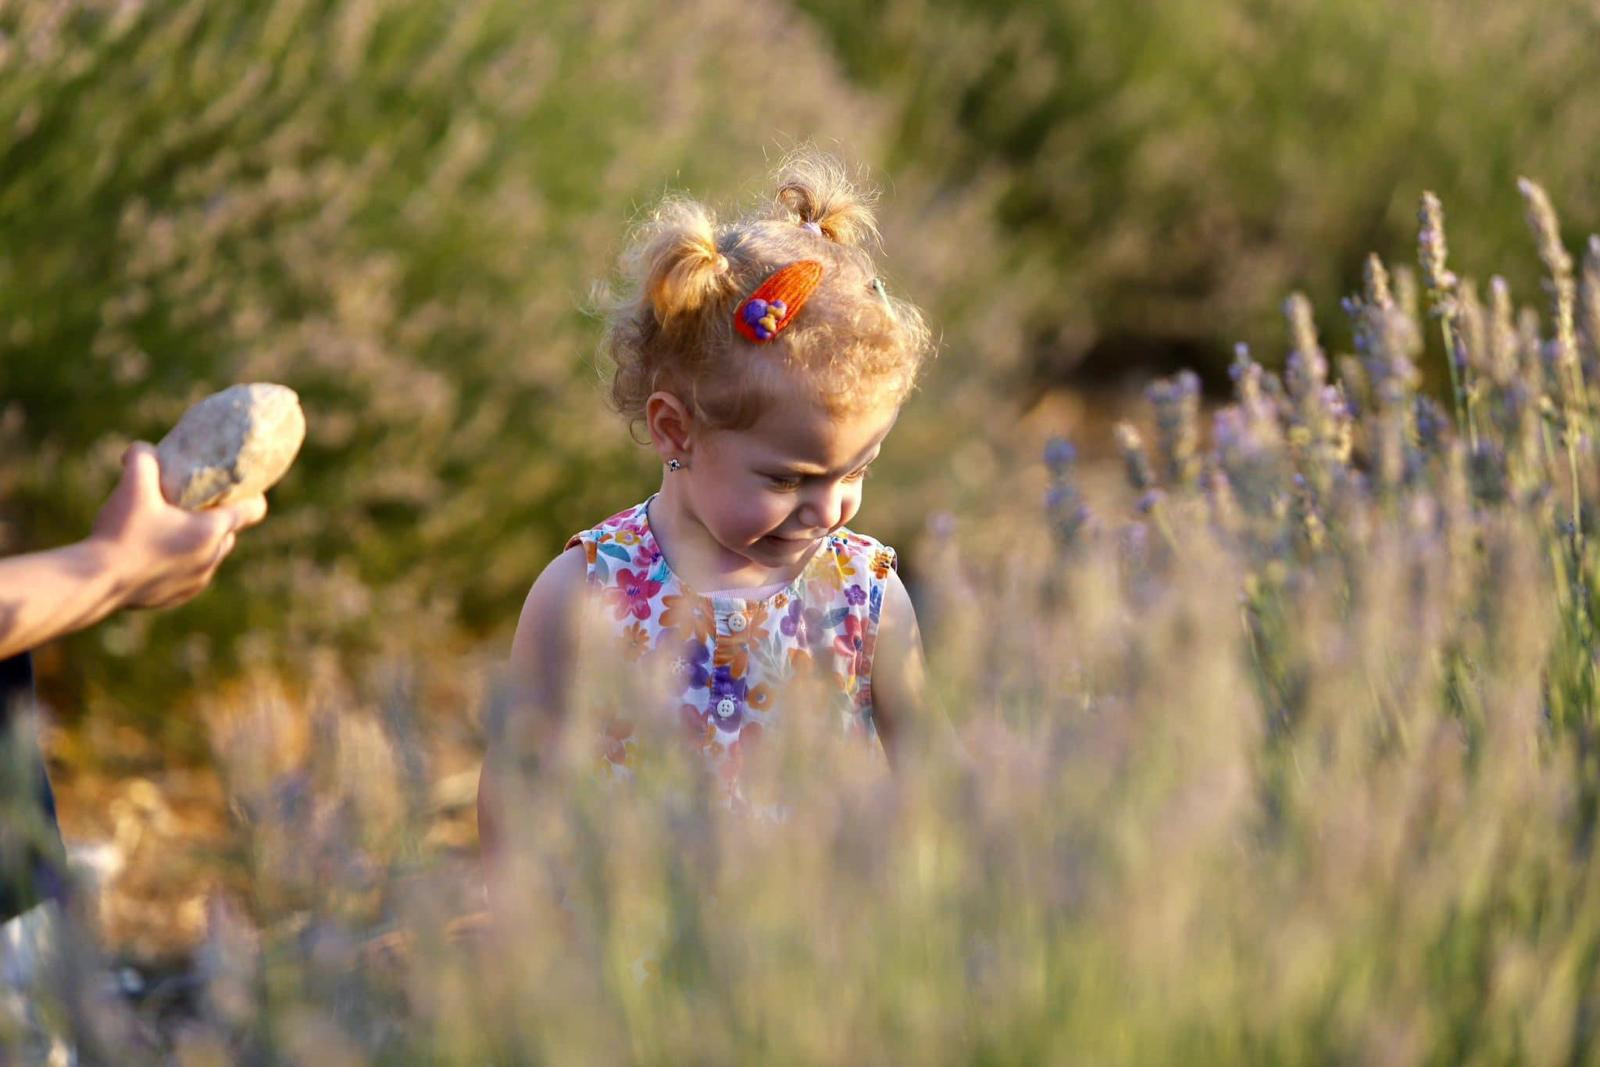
{"x": 44, "y": 595}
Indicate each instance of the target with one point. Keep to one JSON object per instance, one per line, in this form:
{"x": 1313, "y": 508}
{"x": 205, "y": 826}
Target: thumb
{"x": 249, "y": 511}
{"x": 141, "y": 470}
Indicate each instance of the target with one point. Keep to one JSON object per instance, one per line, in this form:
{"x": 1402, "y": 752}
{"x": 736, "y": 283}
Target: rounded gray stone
{"x": 231, "y": 445}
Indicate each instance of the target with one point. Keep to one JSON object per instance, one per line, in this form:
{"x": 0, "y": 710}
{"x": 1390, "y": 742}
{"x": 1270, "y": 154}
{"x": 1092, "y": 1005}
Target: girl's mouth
{"x": 793, "y": 540}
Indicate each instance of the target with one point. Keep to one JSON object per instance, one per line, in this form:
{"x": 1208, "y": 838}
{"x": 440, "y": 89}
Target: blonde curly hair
{"x": 669, "y": 320}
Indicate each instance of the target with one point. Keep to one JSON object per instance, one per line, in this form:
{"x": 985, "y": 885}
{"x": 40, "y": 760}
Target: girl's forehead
{"x": 802, "y": 430}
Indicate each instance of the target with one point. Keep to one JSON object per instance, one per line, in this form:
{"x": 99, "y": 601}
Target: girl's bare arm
{"x": 908, "y": 720}
{"x": 542, "y": 653}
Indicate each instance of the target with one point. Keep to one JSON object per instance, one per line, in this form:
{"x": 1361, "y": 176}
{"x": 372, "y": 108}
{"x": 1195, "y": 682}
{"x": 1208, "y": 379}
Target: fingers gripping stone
{"x": 232, "y": 445}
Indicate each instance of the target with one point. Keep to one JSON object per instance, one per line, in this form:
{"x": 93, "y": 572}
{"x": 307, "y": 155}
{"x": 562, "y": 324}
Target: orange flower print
{"x": 882, "y": 563}
{"x": 614, "y": 741}
{"x": 845, "y": 677}
{"x": 689, "y": 615}
{"x": 832, "y": 569}
{"x": 635, "y": 642}
{"x": 759, "y": 698}
{"x": 733, "y": 649}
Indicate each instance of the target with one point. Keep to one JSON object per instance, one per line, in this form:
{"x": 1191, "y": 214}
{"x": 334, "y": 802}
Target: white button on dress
{"x": 736, "y": 622}
{"x": 726, "y": 707}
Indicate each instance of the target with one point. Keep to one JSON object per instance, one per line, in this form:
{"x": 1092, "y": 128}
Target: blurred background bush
{"x": 399, "y": 208}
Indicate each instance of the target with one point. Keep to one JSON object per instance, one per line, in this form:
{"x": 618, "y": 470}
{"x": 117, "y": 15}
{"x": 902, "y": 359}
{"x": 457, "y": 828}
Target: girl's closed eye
{"x": 790, "y": 482}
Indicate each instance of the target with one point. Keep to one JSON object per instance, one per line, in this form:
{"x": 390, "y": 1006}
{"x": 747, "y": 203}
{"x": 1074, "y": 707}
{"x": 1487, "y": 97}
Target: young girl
{"x": 767, "y": 363}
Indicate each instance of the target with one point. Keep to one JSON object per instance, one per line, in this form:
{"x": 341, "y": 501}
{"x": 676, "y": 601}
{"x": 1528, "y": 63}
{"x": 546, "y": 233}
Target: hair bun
{"x": 683, "y": 268}
{"x": 816, "y": 188}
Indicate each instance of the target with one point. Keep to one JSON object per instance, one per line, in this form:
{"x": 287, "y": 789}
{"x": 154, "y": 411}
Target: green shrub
{"x": 1167, "y": 169}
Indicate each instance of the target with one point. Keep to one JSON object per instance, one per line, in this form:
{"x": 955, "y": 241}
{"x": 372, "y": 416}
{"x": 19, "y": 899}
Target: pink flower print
{"x": 632, "y": 593}
{"x": 749, "y": 740}
{"x": 697, "y": 726}
{"x": 850, "y": 640}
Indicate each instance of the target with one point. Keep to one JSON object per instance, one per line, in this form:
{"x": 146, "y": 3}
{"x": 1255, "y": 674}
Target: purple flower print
{"x": 855, "y": 595}
{"x": 790, "y": 624}
{"x": 693, "y": 663}
{"x": 726, "y": 706}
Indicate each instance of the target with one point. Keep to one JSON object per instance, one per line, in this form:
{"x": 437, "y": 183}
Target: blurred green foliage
{"x": 1173, "y": 168}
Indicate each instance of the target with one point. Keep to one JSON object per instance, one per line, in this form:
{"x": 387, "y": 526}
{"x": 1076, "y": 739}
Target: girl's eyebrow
{"x": 812, "y": 470}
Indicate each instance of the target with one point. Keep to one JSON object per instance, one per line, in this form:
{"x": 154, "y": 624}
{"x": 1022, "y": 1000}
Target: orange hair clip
{"x": 777, "y": 300}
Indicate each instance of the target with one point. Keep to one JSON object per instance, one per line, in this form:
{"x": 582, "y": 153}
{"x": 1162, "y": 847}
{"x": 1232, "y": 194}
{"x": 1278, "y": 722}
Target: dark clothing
{"x": 32, "y": 859}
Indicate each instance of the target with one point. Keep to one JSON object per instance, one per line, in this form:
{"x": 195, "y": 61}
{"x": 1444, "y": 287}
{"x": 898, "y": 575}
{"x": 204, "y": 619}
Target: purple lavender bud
{"x": 755, "y": 311}
{"x": 1059, "y": 453}
{"x": 1228, "y": 429}
{"x": 779, "y": 308}
{"x": 1241, "y": 362}
{"x": 763, "y": 333}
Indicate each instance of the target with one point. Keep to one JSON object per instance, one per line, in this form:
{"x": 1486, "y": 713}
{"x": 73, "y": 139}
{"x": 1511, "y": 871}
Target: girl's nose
{"x": 823, "y": 509}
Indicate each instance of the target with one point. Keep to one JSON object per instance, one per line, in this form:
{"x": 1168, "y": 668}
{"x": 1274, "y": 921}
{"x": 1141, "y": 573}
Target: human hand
{"x": 160, "y": 554}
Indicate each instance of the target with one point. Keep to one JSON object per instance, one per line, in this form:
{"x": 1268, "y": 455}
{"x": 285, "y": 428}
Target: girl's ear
{"x": 671, "y": 426}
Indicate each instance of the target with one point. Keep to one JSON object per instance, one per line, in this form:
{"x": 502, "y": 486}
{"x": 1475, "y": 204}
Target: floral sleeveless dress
{"x": 732, "y": 658}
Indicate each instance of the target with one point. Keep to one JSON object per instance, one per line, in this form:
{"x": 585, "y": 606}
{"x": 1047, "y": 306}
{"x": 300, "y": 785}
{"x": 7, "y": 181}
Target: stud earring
{"x": 674, "y": 464}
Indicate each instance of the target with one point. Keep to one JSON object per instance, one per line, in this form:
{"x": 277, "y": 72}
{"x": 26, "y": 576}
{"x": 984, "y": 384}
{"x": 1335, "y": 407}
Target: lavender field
{"x": 1274, "y": 734}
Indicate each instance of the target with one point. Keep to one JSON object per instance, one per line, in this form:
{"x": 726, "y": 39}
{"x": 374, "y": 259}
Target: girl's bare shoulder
{"x": 558, "y": 585}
